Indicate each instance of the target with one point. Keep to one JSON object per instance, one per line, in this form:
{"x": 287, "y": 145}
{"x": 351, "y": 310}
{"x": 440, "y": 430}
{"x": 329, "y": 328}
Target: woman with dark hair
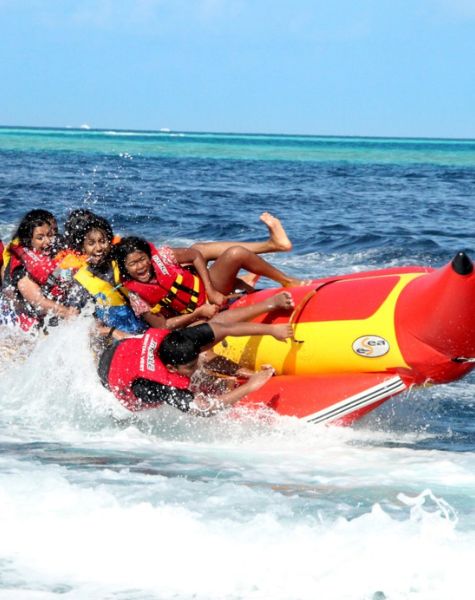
{"x": 98, "y": 279}
{"x": 74, "y": 226}
{"x": 165, "y": 316}
{"x": 31, "y": 291}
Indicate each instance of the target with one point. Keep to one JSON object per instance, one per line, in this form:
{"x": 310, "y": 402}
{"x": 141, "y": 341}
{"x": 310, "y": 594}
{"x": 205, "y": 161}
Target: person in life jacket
{"x": 145, "y": 372}
{"x": 98, "y": 279}
{"x": 31, "y": 292}
{"x": 68, "y": 257}
{"x": 73, "y": 239}
{"x": 160, "y": 279}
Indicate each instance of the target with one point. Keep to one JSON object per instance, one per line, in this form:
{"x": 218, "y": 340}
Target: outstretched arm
{"x": 32, "y": 293}
{"x": 205, "y": 406}
{"x": 151, "y": 393}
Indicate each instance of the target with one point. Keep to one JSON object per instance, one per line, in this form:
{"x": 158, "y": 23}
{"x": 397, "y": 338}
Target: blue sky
{"x": 339, "y": 67}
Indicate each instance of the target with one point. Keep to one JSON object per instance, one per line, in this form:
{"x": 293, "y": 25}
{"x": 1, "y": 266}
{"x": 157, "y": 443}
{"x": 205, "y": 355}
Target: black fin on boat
{"x": 462, "y": 264}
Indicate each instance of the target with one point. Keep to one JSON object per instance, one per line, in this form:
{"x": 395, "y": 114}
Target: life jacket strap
{"x": 173, "y": 297}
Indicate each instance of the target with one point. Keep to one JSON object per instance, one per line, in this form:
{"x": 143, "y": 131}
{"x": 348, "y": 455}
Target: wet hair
{"x": 178, "y": 348}
{"x": 127, "y": 246}
{"x": 34, "y": 218}
{"x": 75, "y": 222}
{"x": 79, "y": 223}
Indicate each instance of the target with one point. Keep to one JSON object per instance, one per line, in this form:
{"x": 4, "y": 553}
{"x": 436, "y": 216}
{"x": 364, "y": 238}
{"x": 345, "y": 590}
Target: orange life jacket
{"x": 68, "y": 259}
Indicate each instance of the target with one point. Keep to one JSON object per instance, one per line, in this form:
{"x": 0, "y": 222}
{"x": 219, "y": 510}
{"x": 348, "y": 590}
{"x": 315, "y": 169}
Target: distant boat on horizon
{"x": 85, "y": 126}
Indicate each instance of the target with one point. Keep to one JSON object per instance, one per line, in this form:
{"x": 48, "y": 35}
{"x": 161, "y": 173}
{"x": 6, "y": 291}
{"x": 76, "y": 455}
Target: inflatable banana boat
{"x": 362, "y": 338}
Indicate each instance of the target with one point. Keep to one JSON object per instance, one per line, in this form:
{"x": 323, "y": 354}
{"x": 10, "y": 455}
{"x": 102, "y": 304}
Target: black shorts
{"x": 201, "y": 335}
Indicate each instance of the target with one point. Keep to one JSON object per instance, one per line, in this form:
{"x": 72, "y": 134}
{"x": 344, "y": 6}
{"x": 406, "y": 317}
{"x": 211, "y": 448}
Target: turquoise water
{"x": 243, "y": 147}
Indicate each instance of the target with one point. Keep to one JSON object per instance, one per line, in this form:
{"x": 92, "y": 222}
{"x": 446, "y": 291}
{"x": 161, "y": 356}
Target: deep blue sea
{"x": 96, "y": 504}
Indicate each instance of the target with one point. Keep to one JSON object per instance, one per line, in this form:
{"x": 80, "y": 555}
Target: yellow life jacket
{"x": 103, "y": 292}
{"x": 112, "y": 307}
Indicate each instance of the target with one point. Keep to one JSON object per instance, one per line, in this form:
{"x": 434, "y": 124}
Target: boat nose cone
{"x": 462, "y": 264}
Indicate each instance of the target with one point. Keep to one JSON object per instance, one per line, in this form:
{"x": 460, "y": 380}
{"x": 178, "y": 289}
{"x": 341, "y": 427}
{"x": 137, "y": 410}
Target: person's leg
{"x": 278, "y": 241}
{"x": 235, "y": 321}
{"x": 280, "y": 301}
{"x": 224, "y": 270}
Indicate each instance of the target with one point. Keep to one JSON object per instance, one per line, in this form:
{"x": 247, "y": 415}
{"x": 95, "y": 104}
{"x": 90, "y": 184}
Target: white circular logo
{"x": 371, "y": 346}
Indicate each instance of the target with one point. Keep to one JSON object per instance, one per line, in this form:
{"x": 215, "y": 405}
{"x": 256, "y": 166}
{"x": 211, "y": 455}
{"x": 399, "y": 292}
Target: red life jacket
{"x": 174, "y": 287}
{"x": 137, "y": 358}
{"x": 2, "y": 247}
{"x": 38, "y": 266}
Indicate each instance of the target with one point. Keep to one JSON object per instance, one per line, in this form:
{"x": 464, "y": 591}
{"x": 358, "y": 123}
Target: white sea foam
{"x": 96, "y": 502}
{"x": 149, "y": 534}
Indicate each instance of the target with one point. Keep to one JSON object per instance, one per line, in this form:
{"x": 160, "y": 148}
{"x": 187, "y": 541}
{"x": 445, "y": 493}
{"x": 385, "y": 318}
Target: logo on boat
{"x": 371, "y": 346}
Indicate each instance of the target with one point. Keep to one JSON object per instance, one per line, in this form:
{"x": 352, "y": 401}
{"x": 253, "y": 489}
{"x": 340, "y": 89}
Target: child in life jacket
{"x": 98, "y": 280}
{"x": 145, "y": 372}
{"x": 68, "y": 257}
{"x": 32, "y": 295}
{"x": 162, "y": 287}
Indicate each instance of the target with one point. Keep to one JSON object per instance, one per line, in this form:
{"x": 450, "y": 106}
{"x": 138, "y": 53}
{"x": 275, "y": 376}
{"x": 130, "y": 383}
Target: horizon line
{"x": 166, "y": 130}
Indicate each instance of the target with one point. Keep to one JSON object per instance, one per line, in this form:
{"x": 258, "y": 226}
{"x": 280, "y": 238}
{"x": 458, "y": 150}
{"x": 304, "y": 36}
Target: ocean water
{"x": 98, "y": 504}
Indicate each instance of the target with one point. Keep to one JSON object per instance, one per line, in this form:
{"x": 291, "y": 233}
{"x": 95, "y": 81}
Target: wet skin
{"x": 42, "y": 238}
{"x": 96, "y": 246}
{"x": 139, "y": 266}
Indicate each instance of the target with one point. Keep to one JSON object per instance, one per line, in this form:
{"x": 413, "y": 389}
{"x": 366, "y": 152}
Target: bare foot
{"x": 282, "y": 300}
{"x": 292, "y": 282}
{"x": 278, "y": 237}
